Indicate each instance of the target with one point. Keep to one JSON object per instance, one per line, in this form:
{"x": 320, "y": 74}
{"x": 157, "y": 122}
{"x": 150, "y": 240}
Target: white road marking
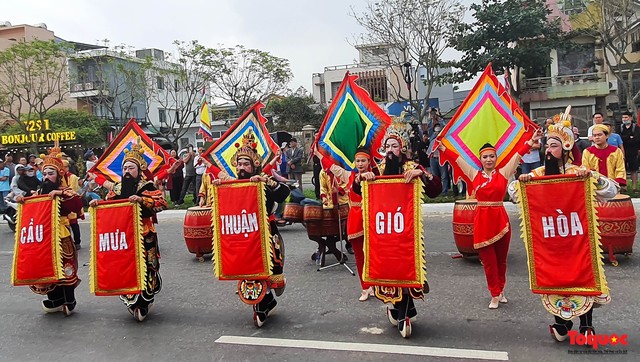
{"x": 367, "y": 347}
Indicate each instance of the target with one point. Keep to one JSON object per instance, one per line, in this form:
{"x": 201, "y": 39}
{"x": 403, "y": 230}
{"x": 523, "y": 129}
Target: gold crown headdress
{"x": 53, "y": 159}
{"x": 135, "y": 155}
{"x": 400, "y": 131}
{"x": 561, "y": 129}
{"x": 247, "y": 150}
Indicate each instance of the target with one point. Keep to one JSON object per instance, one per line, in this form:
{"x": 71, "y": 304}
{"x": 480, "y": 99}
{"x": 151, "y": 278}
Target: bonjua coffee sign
{"x": 37, "y": 131}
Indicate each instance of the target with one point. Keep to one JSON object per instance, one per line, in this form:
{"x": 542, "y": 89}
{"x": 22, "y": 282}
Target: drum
{"x": 464, "y": 212}
{"x": 324, "y": 222}
{"x": 617, "y": 224}
{"x": 293, "y": 212}
{"x": 198, "y": 234}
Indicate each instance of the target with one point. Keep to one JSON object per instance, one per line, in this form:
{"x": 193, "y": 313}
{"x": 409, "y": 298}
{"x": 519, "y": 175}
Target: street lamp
{"x": 407, "y": 78}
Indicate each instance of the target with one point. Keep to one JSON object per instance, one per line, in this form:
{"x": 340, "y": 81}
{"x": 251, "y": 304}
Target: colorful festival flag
{"x": 205, "y": 118}
{"x": 241, "y": 234}
{"x": 109, "y": 166}
{"x": 487, "y": 115}
{"x": 251, "y": 122}
{"x": 353, "y": 120}
{"x": 393, "y": 243}
{"x": 117, "y": 264}
{"x": 38, "y": 252}
{"x": 561, "y": 237}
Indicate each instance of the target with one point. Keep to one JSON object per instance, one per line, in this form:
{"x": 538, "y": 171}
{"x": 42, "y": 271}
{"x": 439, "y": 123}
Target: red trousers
{"x": 494, "y": 260}
{"x": 358, "y": 251}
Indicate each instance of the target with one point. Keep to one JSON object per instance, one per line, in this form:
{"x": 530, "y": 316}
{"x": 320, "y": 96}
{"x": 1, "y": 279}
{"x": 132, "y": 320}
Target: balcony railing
{"x": 545, "y": 83}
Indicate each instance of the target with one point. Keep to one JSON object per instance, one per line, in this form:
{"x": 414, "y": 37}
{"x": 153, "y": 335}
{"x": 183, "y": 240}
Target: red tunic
{"x": 355, "y": 227}
{"x": 491, "y": 221}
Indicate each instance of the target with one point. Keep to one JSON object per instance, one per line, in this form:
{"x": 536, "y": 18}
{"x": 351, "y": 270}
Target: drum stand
{"x": 343, "y": 259}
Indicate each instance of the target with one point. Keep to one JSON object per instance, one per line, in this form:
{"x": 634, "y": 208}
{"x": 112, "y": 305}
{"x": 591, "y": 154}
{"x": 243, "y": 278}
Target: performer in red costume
{"x": 492, "y": 230}
{"x": 395, "y": 148}
{"x": 355, "y": 229}
{"x": 60, "y": 295}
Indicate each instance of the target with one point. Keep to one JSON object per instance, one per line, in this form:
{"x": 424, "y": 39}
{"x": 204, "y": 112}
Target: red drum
{"x": 617, "y": 224}
{"x": 198, "y": 234}
{"x": 312, "y": 213}
{"x": 293, "y": 212}
{"x": 464, "y": 212}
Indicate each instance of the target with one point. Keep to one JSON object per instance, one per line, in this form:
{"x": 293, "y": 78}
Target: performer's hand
{"x": 537, "y": 136}
{"x": 367, "y": 176}
{"x": 201, "y": 203}
{"x": 93, "y": 203}
{"x": 257, "y": 178}
{"x": 135, "y": 198}
{"x": 411, "y": 174}
{"x": 216, "y": 182}
{"x": 525, "y": 178}
{"x": 55, "y": 193}
{"x": 583, "y": 173}
{"x": 90, "y": 176}
{"x": 20, "y": 199}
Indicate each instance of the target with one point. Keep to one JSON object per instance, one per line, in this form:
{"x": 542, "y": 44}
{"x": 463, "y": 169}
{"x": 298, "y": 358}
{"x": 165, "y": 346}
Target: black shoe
{"x": 349, "y": 248}
{"x": 51, "y": 306}
{"x": 560, "y": 332}
{"x": 78, "y": 247}
{"x": 404, "y": 327}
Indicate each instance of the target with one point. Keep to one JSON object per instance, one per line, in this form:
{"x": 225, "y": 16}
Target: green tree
{"x": 244, "y": 76}
{"x": 32, "y": 79}
{"x": 291, "y": 113}
{"x": 516, "y": 35}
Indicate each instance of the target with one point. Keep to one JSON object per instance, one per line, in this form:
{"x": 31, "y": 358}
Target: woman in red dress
{"x": 355, "y": 229}
{"x": 492, "y": 230}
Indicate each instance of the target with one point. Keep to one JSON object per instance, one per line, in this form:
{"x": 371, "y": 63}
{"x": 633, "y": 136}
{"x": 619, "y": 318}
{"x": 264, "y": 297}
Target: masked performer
{"x": 137, "y": 189}
{"x": 558, "y": 161}
{"x": 247, "y": 163}
{"x": 60, "y": 295}
{"x": 396, "y": 162}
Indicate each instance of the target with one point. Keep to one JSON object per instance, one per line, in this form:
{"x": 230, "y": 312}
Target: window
{"x": 160, "y": 83}
{"x": 635, "y": 47}
{"x": 175, "y": 85}
{"x": 162, "y": 116}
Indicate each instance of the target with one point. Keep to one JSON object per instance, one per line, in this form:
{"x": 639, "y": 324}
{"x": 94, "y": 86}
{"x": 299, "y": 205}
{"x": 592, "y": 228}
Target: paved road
{"x": 195, "y": 313}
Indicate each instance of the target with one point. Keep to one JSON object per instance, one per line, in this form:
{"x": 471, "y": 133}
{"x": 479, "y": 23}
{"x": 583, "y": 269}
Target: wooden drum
{"x": 198, "y": 234}
{"x": 293, "y": 212}
{"x": 324, "y": 222}
{"x": 464, "y": 212}
{"x": 617, "y": 224}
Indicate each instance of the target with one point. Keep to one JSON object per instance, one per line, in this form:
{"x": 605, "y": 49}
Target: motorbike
{"x": 10, "y": 213}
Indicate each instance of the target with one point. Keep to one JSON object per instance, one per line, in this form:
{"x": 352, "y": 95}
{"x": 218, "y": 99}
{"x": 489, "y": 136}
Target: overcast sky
{"x": 310, "y": 34}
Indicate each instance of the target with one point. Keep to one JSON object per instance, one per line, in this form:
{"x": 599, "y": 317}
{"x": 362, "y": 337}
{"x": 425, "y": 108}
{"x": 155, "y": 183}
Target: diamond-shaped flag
{"x": 109, "y": 166}
{"x": 487, "y": 115}
{"x": 353, "y": 120}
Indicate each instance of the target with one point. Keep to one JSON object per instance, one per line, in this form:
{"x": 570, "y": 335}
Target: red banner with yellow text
{"x": 117, "y": 254}
{"x": 393, "y": 244}
{"x": 241, "y": 235}
{"x": 37, "y": 257}
{"x": 561, "y": 237}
